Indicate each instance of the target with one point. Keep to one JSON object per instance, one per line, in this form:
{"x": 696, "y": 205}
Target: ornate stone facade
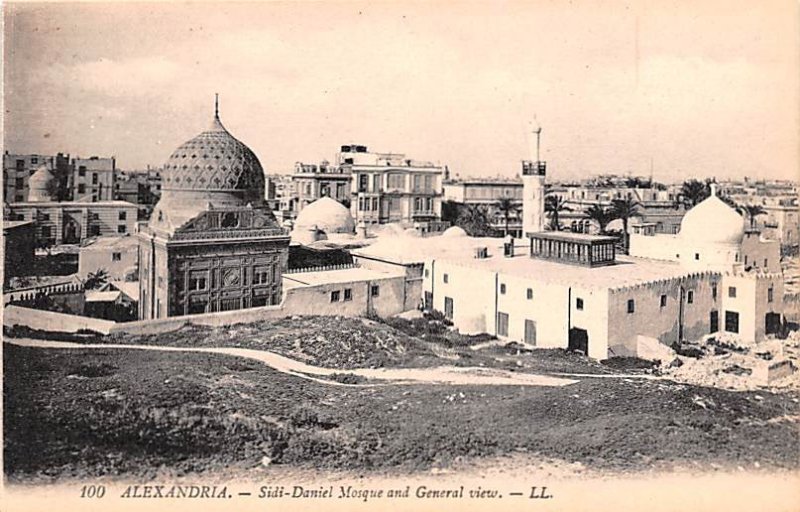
{"x": 212, "y": 244}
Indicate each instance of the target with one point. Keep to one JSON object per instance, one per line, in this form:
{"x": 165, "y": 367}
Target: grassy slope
{"x": 79, "y": 413}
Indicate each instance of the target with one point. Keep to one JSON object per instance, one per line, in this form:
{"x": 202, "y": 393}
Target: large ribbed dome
{"x": 40, "y": 184}
{"x": 215, "y": 162}
{"x": 327, "y": 215}
{"x": 712, "y": 221}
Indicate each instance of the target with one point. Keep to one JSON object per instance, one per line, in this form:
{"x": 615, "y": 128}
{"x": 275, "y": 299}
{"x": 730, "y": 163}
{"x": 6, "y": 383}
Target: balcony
{"x": 530, "y": 168}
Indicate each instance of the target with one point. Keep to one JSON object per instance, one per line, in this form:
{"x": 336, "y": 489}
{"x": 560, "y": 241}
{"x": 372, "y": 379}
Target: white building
{"x": 570, "y": 290}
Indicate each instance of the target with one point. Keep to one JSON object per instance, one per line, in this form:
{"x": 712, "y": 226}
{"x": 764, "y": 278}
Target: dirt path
{"x": 437, "y": 375}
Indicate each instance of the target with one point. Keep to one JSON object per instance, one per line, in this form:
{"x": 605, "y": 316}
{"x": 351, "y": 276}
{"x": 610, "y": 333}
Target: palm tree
{"x": 96, "y": 279}
{"x": 624, "y": 209}
{"x": 692, "y": 192}
{"x": 554, "y": 205}
{"x": 602, "y": 216}
{"x": 474, "y": 219}
{"x": 507, "y": 207}
{"x": 752, "y": 211}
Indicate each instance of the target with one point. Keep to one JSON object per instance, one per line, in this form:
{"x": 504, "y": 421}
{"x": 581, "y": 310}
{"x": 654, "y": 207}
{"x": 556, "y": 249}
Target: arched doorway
{"x": 72, "y": 232}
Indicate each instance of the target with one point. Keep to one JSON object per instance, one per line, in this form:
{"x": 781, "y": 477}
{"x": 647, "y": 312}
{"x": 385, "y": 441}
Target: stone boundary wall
{"x": 52, "y": 321}
{"x": 307, "y": 300}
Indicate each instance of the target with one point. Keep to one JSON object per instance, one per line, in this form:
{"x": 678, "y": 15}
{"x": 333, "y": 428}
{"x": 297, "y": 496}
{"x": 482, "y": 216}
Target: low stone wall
{"x": 306, "y": 300}
{"x": 54, "y": 322}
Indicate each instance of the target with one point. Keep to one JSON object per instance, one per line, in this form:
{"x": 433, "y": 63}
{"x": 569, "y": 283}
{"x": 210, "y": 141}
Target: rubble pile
{"x": 724, "y": 361}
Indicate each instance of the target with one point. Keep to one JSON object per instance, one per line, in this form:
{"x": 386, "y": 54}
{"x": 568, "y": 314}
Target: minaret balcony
{"x": 530, "y": 168}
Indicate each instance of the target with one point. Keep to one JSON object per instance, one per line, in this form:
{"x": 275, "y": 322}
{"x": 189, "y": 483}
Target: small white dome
{"x": 327, "y": 215}
{"x": 712, "y": 221}
{"x": 39, "y": 185}
{"x": 454, "y": 231}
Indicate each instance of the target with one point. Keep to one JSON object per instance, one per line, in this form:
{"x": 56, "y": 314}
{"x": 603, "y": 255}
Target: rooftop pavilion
{"x": 573, "y": 248}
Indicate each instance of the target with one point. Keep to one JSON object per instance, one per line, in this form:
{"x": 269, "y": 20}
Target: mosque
{"x": 212, "y": 245}
{"x": 571, "y": 290}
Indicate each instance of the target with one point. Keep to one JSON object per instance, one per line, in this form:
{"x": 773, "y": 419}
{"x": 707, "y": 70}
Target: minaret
{"x": 533, "y": 176}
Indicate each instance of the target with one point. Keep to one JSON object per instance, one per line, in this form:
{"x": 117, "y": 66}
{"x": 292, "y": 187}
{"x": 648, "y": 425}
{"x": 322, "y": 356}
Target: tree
{"x": 752, "y": 211}
{"x": 601, "y": 216}
{"x": 474, "y": 219}
{"x": 692, "y": 192}
{"x": 624, "y": 209}
{"x": 96, "y": 279}
{"x": 507, "y": 207}
{"x": 554, "y": 205}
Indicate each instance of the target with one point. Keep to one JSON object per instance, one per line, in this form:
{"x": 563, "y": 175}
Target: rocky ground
{"x": 76, "y": 413}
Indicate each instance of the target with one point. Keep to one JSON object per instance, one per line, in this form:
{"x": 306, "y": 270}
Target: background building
{"x": 388, "y": 187}
{"x": 313, "y": 181}
{"x": 17, "y": 170}
{"x": 490, "y": 193}
{"x": 70, "y": 222}
{"x": 93, "y": 179}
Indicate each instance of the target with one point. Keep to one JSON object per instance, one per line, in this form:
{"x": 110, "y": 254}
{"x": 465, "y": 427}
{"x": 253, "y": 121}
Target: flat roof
{"x": 11, "y": 224}
{"x": 563, "y": 236}
{"x": 108, "y": 242}
{"x": 627, "y": 271}
{"x": 345, "y": 275}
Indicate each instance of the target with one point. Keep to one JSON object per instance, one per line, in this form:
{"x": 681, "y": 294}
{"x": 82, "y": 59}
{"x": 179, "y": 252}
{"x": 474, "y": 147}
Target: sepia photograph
{"x": 340, "y": 255}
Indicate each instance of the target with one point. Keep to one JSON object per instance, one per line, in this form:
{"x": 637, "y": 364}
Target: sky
{"x": 687, "y": 88}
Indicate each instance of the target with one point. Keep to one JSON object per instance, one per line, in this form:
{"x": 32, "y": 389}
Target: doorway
{"x": 578, "y": 340}
{"x": 772, "y": 323}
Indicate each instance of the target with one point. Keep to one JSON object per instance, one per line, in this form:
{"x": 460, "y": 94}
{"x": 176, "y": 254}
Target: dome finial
{"x": 216, "y": 105}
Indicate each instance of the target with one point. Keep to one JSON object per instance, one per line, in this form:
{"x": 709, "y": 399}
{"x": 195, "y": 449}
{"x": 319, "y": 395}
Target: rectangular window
{"x": 45, "y": 216}
{"x": 81, "y": 188}
{"x": 198, "y": 280}
{"x": 47, "y": 233}
{"x": 261, "y": 275}
{"x": 335, "y": 296}
{"x": 502, "y": 324}
{"x": 122, "y": 228}
{"x": 376, "y": 183}
{"x": 765, "y": 262}
{"x": 116, "y": 256}
{"x": 446, "y": 278}
{"x": 94, "y": 230}
{"x": 19, "y": 183}
{"x": 34, "y": 160}
{"x": 713, "y": 322}
{"x": 123, "y": 215}
{"x": 374, "y": 204}
{"x": 363, "y": 180}
{"x": 732, "y": 292}
{"x": 529, "y": 294}
{"x": 81, "y": 171}
{"x": 348, "y": 294}
{"x": 502, "y": 288}
{"x": 714, "y": 291}
{"x": 731, "y": 321}
{"x": 448, "y": 308}
{"x": 697, "y": 255}
{"x": 769, "y": 294}
{"x": 427, "y": 272}
{"x": 375, "y": 290}
{"x": 579, "y": 304}
{"x": 631, "y": 306}
{"x": 663, "y": 301}
{"x": 690, "y": 297}
{"x": 94, "y": 178}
